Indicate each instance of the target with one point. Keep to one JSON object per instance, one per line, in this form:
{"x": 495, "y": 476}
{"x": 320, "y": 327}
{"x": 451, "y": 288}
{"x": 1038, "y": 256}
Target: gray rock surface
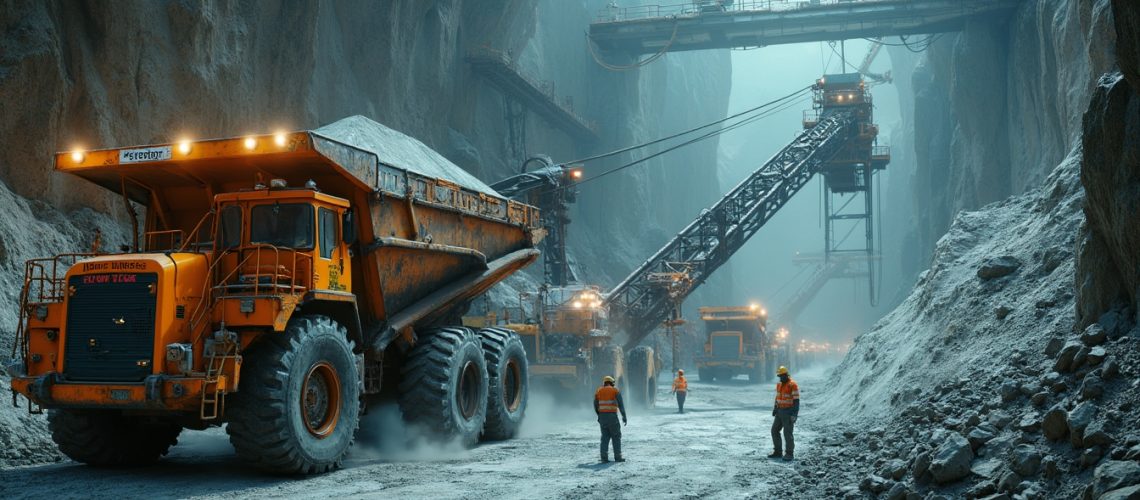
{"x": 951, "y": 461}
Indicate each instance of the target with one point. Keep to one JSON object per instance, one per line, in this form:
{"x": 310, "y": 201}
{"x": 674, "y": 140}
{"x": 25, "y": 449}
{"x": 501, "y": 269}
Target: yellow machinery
{"x": 279, "y": 279}
{"x": 570, "y": 348}
{"x": 737, "y": 343}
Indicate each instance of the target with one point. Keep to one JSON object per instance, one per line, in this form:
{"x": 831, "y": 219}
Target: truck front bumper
{"x": 156, "y": 392}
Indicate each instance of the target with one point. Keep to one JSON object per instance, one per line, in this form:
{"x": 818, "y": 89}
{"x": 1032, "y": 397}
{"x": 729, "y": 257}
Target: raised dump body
{"x": 341, "y": 258}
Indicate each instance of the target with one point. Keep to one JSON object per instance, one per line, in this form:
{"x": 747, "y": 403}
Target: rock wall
{"x": 997, "y": 105}
{"x": 1108, "y": 266}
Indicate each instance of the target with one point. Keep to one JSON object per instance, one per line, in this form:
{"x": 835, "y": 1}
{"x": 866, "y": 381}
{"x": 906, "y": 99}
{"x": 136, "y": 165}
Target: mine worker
{"x": 680, "y": 388}
{"x": 786, "y": 410}
{"x": 607, "y": 404}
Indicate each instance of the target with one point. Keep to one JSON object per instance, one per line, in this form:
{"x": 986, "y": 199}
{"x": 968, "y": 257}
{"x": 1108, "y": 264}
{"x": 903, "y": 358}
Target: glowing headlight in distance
{"x": 577, "y": 304}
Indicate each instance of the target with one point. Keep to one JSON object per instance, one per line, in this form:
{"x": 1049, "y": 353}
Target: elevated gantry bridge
{"x": 713, "y": 24}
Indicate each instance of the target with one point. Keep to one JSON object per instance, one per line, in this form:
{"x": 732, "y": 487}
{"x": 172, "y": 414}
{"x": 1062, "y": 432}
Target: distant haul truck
{"x": 737, "y": 343}
{"x": 280, "y": 278}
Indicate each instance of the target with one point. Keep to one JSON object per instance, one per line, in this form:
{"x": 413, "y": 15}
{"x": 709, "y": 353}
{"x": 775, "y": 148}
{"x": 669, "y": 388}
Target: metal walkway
{"x": 539, "y": 97}
{"x": 713, "y": 24}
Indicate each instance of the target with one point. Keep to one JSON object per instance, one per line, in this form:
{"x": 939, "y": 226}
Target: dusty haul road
{"x": 717, "y": 449}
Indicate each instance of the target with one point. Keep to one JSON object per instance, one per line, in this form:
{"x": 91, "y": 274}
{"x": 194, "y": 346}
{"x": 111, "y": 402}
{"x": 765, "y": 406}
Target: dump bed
{"x": 431, "y": 236}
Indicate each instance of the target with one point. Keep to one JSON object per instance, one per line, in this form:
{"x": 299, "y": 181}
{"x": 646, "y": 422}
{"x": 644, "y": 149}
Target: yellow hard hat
{"x": 783, "y": 370}
{"x": 607, "y": 378}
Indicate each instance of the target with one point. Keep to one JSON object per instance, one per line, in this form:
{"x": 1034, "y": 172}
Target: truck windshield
{"x": 287, "y": 225}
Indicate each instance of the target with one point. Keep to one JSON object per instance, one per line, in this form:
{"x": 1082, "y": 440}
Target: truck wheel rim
{"x": 320, "y": 400}
{"x": 467, "y": 395}
{"x": 512, "y": 386}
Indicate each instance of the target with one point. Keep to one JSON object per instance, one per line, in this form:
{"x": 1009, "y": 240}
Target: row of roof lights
{"x": 185, "y": 146}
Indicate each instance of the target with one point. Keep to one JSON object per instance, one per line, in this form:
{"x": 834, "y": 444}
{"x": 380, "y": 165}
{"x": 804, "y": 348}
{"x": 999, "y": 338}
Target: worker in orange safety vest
{"x": 680, "y": 388}
{"x": 607, "y": 404}
{"x": 786, "y": 410}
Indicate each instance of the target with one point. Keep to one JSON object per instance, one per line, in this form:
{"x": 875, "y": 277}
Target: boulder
{"x": 1030, "y": 422}
{"x": 1025, "y": 460}
{"x": 1129, "y": 493}
{"x": 1008, "y": 391}
{"x": 982, "y": 490}
{"x": 1001, "y": 312}
{"x": 1096, "y": 356}
{"x": 893, "y": 469}
{"x": 999, "y": 418}
{"x": 1079, "y": 419}
{"x": 1092, "y": 387}
{"x": 978, "y": 437}
{"x": 1064, "y": 361}
{"x": 988, "y": 468}
{"x": 875, "y": 484}
{"x": 1090, "y": 457}
{"x": 1096, "y": 434}
{"x": 1039, "y": 399}
{"x": 1114, "y": 475}
{"x": 1008, "y": 481}
{"x": 951, "y": 461}
{"x": 1094, "y": 335}
{"x": 1055, "y": 424}
{"x": 1053, "y": 346}
{"x": 921, "y": 466}
{"x": 897, "y": 491}
{"x": 1080, "y": 357}
{"x": 998, "y": 267}
{"x": 1110, "y": 369}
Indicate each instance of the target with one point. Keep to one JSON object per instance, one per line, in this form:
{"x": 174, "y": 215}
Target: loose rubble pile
{"x": 977, "y": 386}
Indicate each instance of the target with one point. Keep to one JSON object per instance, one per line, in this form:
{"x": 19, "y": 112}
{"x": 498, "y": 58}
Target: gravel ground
{"x": 717, "y": 449}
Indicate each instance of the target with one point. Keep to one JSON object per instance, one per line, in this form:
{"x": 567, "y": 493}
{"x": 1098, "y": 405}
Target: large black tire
{"x": 108, "y": 438}
{"x": 508, "y": 382}
{"x": 704, "y": 375}
{"x": 297, "y": 408}
{"x": 640, "y": 381}
{"x": 443, "y": 387}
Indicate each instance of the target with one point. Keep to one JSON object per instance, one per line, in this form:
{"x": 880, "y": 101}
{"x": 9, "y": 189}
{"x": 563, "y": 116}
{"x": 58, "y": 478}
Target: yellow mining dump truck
{"x": 737, "y": 344}
{"x": 279, "y": 279}
{"x": 570, "y": 348}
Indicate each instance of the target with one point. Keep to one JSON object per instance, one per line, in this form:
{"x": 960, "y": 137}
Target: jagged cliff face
{"x": 998, "y": 105}
{"x": 89, "y": 75}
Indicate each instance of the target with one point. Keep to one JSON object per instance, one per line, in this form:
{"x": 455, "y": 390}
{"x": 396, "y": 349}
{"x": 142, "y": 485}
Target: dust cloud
{"x": 384, "y": 435}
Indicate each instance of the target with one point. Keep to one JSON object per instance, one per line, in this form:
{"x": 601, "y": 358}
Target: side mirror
{"x": 348, "y": 228}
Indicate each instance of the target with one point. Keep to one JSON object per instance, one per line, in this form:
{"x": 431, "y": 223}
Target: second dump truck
{"x": 737, "y": 343}
{"x": 277, "y": 280}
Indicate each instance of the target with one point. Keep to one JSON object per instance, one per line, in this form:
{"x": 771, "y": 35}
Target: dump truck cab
{"x": 736, "y": 343}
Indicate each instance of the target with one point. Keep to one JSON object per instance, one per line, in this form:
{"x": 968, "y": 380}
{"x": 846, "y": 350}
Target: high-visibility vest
{"x": 680, "y": 384}
{"x": 606, "y": 396}
{"x": 787, "y": 394}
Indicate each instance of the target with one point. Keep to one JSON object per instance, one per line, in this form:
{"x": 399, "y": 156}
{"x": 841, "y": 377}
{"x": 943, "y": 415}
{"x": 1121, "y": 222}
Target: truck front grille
{"x": 110, "y": 327}
{"x": 726, "y": 347}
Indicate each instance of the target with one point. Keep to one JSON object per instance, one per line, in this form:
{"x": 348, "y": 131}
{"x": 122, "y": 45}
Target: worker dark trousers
{"x": 681, "y": 401}
{"x": 783, "y": 421}
{"x": 611, "y": 430}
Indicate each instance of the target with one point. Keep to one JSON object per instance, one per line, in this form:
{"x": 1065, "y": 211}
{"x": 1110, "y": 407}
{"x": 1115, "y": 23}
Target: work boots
{"x": 618, "y": 459}
{"x": 775, "y": 454}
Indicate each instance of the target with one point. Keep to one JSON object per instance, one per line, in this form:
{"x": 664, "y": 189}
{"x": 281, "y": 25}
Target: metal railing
{"x": 696, "y": 8}
{"x": 45, "y": 282}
